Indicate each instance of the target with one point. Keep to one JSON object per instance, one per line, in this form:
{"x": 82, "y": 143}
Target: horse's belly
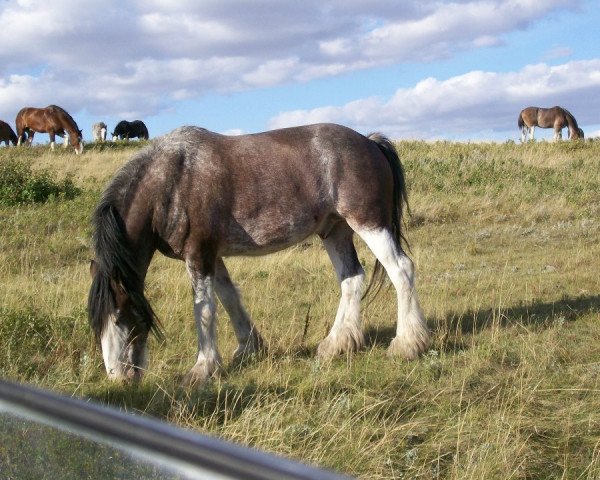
{"x": 271, "y": 235}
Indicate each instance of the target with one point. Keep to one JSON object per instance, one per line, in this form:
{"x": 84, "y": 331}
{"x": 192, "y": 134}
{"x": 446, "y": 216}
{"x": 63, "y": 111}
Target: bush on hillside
{"x": 19, "y": 185}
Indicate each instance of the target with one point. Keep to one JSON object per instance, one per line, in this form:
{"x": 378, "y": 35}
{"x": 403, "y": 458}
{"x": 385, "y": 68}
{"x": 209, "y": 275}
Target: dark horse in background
{"x": 52, "y": 120}
{"x": 198, "y": 197}
{"x": 7, "y": 134}
{"x": 127, "y": 130}
{"x": 555, "y": 117}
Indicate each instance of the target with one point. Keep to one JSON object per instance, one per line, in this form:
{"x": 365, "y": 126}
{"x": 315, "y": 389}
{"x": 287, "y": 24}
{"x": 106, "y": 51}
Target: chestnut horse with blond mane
{"x": 555, "y": 117}
{"x": 52, "y": 120}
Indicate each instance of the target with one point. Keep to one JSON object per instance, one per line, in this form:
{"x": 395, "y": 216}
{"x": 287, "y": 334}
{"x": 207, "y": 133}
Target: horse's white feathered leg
{"x": 346, "y": 334}
{"x": 209, "y": 360}
{"x": 248, "y": 337}
{"x": 412, "y": 334}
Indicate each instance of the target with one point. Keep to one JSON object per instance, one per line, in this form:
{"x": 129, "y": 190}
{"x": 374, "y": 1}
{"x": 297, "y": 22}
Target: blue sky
{"x": 458, "y": 70}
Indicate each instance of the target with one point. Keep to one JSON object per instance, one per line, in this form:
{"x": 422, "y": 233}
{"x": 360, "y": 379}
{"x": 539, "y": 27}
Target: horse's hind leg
{"x": 208, "y": 362}
{"x": 248, "y": 337}
{"x": 346, "y": 334}
{"x": 412, "y": 335}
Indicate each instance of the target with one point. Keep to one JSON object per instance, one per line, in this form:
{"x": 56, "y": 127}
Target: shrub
{"x": 19, "y": 184}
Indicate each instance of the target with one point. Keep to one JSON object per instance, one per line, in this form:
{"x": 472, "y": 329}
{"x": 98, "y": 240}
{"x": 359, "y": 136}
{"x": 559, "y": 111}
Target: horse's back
{"x": 268, "y": 190}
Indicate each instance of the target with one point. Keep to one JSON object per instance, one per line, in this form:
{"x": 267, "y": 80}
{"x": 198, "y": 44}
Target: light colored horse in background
{"x": 99, "y": 130}
{"x": 555, "y": 117}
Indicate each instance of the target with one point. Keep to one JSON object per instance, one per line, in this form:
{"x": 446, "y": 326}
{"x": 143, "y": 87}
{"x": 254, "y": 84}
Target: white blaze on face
{"x": 124, "y": 358}
{"x": 113, "y": 343}
{"x": 103, "y": 134}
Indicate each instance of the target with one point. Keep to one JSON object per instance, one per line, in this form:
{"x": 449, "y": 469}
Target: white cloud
{"x": 475, "y": 101}
{"x": 143, "y": 55}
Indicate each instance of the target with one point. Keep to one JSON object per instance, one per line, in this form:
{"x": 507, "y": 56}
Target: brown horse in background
{"x": 52, "y": 120}
{"x": 7, "y": 134}
{"x": 555, "y": 117}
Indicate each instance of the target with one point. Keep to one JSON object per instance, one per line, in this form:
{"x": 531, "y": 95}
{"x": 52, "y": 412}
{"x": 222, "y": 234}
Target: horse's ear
{"x": 93, "y": 268}
{"x": 118, "y": 288}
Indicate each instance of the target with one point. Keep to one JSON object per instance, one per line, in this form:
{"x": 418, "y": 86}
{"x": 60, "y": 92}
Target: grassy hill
{"x": 506, "y": 242}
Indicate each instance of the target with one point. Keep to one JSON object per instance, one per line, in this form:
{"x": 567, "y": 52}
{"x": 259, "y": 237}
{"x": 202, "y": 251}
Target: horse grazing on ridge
{"x": 99, "y": 130}
{"x": 198, "y": 196}
{"x": 126, "y": 130}
{"x": 555, "y": 117}
{"x": 7, "y": 134}
{"x": 52, "y": 120}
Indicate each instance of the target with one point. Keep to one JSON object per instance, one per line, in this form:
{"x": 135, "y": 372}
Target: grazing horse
{"x": 7, "y": 134}
{"x": 555, "y": 117}
{"x": 198, "y": 196}
{"x": 127, "y": 130}
{"x": 52, "y": 120}
{"x": 99, "y": 132}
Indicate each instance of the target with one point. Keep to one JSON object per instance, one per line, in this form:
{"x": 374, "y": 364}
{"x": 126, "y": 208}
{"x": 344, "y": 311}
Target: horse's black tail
{"x": 115, "y": 267}
{"x": 520, "y": 122}
{"x": 399, "y": 204}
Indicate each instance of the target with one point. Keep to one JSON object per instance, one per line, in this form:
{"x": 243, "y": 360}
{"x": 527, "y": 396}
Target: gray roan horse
{"x": 199, "y": 196}
{"x": 555, "y": 117}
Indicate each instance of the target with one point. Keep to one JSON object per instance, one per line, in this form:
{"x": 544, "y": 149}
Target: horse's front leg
{"x": 208, "y": 363}
{"x": 29, "y": 139}
{"x": 52, "y": 136}
{"x": 558, "y": 134}
{"x": 248, "y": 337}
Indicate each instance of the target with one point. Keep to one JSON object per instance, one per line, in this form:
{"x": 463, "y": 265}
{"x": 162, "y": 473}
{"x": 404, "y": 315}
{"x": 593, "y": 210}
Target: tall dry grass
{"x": 505, "y": 239}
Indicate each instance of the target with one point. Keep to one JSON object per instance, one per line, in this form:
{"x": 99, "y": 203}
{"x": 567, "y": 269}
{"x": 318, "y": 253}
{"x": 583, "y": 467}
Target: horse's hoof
{"x": 409, "y": 349}
{"x": 253, "y": 348}
{"x": 348, "y": 341}
{"x": 200, "y": 374}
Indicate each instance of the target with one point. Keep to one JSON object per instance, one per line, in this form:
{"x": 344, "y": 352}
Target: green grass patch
{"x": 19, "y": 184}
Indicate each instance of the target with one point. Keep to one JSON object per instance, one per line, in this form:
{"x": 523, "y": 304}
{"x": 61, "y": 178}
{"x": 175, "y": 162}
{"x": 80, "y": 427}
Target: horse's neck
{"x": 571, "y": 122}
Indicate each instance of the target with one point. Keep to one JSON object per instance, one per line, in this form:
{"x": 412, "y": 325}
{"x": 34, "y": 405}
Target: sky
{"x": 434, "y": 70}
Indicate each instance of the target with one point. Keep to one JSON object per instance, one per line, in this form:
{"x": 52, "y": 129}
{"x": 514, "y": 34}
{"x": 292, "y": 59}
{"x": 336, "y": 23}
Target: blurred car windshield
{"x": 48, "y": 436}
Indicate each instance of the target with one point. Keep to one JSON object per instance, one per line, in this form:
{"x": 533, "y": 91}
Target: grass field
{"x": 506, "y": 242}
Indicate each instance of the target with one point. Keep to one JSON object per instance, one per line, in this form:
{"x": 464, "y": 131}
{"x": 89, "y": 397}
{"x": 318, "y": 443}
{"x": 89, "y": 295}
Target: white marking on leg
{"x": 209, "y": 360}
{"x": 412, "y": 334}
{"x": 346, "y": 334}
{"x": 51, "y": 145}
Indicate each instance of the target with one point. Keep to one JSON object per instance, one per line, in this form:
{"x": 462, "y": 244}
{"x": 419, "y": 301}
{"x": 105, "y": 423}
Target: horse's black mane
{"x": 115, "y": 258}
{"x": 65, "y": 113}
{"x": 571, "y": 117}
